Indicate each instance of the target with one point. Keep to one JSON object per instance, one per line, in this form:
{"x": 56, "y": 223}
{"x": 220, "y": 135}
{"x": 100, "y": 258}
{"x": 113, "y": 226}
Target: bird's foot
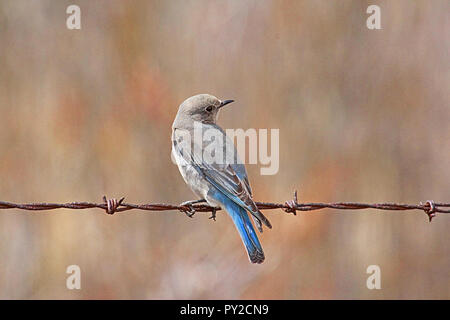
{"x": 189, "y": 209}
{"x": 190, "y": 213}
{"x": 213, "y": 214}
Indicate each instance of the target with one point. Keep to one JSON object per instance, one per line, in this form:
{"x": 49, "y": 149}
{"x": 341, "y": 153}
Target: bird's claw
{"x": 191, "y": 210}
{"x": 213, "y": 214}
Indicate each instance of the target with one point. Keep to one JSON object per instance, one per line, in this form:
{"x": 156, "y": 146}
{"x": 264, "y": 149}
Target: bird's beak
{"x": 225, "y": 102}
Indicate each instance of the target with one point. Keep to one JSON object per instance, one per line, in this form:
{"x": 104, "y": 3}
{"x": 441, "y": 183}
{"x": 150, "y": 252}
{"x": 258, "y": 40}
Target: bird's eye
{"x": 209, "y": 108}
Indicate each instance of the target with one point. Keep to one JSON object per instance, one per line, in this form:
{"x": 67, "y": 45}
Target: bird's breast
{"x": 191, "y": 176}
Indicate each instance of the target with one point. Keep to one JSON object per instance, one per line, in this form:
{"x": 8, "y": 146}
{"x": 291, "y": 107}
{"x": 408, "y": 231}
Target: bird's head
{"x": 201, "y": 108}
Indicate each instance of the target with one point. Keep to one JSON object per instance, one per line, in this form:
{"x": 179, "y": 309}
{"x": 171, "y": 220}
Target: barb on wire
{"x": 112, "y": 206}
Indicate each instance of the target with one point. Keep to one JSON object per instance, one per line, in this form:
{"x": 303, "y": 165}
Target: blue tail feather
{"x": 245, "y": 228}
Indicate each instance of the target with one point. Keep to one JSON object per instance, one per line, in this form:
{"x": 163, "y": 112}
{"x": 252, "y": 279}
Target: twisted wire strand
{"x": 113, "y": 205}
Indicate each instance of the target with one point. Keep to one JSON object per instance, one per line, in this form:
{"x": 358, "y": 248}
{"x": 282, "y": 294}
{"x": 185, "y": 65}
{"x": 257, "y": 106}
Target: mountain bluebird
{"x": 222, "y": 182}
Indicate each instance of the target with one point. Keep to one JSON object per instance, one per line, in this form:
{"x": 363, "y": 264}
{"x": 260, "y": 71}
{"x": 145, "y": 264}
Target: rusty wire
{"x": 112, "y": 206}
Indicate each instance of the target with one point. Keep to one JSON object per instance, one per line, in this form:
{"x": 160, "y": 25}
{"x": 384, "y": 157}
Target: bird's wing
{"x": 228, "y": 180}
{"x": 241, "y": 172}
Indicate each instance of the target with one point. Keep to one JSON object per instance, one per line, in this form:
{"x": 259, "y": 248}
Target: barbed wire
{"x": 113, "y": 205}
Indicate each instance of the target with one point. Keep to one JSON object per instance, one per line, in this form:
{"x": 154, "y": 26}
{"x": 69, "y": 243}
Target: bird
{"x": 223, "y": 184}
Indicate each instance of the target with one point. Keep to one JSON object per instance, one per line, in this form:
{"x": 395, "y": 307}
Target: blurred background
{"x": 363, "y": 116}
